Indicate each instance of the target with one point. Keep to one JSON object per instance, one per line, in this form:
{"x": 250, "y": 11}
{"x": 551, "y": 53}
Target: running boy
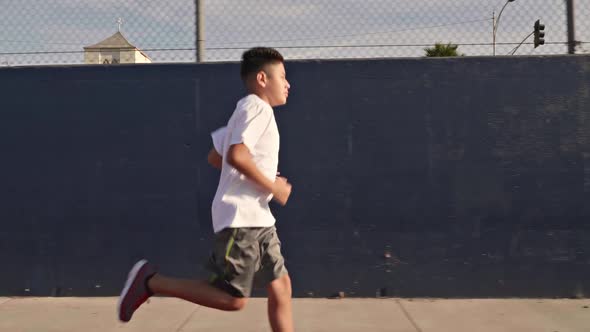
{"x": 246, "y": 243}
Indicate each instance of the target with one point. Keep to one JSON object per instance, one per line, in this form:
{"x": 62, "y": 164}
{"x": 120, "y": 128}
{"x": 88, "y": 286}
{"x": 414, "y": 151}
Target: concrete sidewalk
{"x": 358, "y": 315}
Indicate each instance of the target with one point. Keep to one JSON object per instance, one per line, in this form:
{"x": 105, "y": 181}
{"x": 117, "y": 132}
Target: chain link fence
{"x": 86, "y": 31}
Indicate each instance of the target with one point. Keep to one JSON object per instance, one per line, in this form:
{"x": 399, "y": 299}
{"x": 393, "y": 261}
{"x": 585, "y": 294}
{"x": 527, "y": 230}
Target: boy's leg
{"x": 233, "y": 262}
{"x": 278, "y": 283}
{"x": 143, "y": 282}
{"x": 197, "y": 291}
{"x": 279, "y": 304}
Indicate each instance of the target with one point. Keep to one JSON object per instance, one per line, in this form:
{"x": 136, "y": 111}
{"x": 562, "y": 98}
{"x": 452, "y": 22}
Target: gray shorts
{"x": 244, "y": 256}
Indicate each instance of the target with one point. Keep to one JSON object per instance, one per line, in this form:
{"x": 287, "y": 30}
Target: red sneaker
{"x": 136, "y": 291}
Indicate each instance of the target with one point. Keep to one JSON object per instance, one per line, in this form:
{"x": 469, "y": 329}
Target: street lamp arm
{"x": 500, "y": 15}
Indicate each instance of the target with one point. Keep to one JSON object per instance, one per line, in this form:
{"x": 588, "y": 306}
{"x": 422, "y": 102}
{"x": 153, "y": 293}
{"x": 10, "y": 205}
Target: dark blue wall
{"x": 465, "y": 177}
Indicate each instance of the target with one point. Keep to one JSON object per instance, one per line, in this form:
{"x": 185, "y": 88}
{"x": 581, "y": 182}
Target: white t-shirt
{"x": 239, "y": 202}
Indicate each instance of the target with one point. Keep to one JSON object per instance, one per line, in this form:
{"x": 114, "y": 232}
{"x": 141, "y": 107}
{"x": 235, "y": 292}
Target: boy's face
{"x": 276, "y": 87}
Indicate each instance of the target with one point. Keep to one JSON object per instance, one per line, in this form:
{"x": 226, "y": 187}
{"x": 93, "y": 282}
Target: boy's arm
{"x": 214, "y": 159}
{"x": 240, "y": 158}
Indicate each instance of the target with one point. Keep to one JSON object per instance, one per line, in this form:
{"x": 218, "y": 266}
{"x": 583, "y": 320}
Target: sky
{"x": 36, "y": 32}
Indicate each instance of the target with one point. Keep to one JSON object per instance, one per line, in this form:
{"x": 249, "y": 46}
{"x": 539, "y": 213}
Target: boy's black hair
{"x": 255, "y": 58}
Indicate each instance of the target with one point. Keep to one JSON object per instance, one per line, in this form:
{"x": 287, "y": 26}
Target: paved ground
{"x": 396, "y": 315}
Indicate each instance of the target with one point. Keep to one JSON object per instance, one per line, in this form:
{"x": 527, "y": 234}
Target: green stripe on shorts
{"x": 231, "y": 242}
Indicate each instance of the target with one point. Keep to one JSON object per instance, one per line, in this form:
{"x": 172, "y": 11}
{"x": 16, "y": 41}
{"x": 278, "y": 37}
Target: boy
{"x": 246, "y": 242}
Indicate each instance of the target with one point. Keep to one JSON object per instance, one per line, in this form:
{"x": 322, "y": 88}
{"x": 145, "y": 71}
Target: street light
{"x": 497, "y": 22}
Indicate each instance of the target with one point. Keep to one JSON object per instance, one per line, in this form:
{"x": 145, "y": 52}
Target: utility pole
{"x": 571, "y": 33}
{"x": 200, "y": 30}
{"x": 494, "y": 33}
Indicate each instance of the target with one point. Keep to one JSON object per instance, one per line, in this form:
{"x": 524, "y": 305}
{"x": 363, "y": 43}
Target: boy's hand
{"x": 281, "y": 190}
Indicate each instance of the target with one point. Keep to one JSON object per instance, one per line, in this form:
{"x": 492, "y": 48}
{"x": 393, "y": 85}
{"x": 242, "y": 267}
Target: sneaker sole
{"x": 130, "y": 278}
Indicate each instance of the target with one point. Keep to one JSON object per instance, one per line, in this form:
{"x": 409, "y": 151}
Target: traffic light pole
{"x": 519, "y": 45}
{"x": 571, "y": 34}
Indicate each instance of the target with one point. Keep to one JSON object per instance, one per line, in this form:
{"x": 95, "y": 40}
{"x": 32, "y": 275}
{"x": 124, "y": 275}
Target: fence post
{"x": 200, "y": 30}
{"x": 571, "y": 34}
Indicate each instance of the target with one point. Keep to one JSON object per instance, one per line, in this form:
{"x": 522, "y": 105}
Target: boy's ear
{"x": 261, "y": 78}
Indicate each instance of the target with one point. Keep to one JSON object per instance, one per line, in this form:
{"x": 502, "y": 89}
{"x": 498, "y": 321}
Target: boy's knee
{"x": 287, "y": 284}
{"x": 282, "y": 286}
{"x": 236, "y": 303}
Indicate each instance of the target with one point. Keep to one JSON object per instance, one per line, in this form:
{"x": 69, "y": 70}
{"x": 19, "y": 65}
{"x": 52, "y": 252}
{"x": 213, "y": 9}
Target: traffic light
{"x": 539, "y": 33}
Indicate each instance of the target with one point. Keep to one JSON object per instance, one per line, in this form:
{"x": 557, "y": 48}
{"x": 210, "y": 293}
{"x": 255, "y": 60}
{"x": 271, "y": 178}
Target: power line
{"x": 81, "y": 52}
{"x": 376, "y": 45}
{"x": 289, "y": 47}
{"x": 37, "y": 42}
